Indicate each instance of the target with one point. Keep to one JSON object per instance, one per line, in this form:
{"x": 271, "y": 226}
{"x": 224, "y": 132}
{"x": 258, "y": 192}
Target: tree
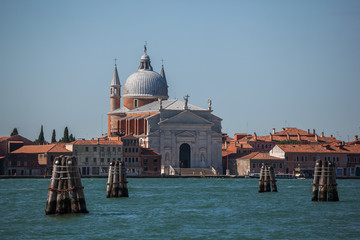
{"x": 14, "y": 132}
{"x": 53, "y": 137}
{"x": 65, "y": 139}
{"x": 71, "y": 138}
{"x": 41, "y": 139}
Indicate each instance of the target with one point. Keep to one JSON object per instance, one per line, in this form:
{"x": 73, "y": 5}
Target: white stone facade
{"x": 201, "y": 130}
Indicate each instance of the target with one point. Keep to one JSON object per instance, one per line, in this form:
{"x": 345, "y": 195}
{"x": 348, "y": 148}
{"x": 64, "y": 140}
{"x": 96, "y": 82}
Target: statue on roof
{"x": 186, "y": 99}
{"x": 209, "y": 104}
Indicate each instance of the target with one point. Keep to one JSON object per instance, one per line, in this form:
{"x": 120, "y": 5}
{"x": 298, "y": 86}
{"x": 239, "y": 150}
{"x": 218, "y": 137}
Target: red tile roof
{"x": 59, "y": 147}
{"x": 96, "y": 142}
{"x": 291, "y": 131}
{"x": 324, "y": 148}
{"x": 36, "y": 149}
{"x": 4, "y": 138}
{"x": 148, "y": 151}
{"x": 259, "y": 155}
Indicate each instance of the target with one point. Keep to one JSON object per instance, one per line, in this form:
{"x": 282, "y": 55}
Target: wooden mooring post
{"x": 65, "y": 193}
{"x": 324, "y": 184}
{"x": 117, "y": 183}
{"x": 267, "y": 179}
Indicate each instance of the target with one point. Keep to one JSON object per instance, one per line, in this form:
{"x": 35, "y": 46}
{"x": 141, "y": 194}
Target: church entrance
{"x": 185, "y": 152}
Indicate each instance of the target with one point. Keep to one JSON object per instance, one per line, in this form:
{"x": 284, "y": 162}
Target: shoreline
{"x": 167, "y": 176}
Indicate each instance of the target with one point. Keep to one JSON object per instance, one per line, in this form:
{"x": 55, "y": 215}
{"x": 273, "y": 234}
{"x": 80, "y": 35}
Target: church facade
{"x": 185, "y": 135}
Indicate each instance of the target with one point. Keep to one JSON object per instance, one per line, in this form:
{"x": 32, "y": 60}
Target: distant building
{"x": 290, "y": 135}
{"x": 150, "y": 162}
{"x": 35, "y": 159}
{"x": 7, "y": 145}
{"x": 304, "y": 156}
{"x": 251, "y": 163}
{"x": 94, "y": 156}
{"x": 232, "y": 145}
{"x": 185, "y": 135}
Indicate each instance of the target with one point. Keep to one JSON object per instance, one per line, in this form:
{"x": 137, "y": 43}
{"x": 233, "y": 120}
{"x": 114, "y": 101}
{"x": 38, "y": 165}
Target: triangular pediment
{"x": 185, "y": 134}
{"x": 184, "y": 118}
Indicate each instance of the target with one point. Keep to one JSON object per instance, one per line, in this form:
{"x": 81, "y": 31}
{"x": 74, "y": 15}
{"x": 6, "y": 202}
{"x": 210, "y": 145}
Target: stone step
{"x": 194, "y": 171}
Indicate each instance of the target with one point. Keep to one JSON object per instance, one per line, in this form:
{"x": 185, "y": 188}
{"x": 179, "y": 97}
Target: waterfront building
{"x": 138, "y": 160}
{"x": 35, "y": 159}
{"x": 289, "y": 135}
{"x": 94, "y": 156}
{"x": 150, "y": 162}
{"x": 7, "y": 145}
{"x": 252, "y": 162}
{"x": 345, "y": 156}
{"x": 185, "y": 135}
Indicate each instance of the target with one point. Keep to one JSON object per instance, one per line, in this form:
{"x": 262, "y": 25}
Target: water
{"x": 183, "y": 209}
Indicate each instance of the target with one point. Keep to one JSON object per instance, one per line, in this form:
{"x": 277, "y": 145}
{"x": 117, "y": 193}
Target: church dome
{"x": 145, "y": 83}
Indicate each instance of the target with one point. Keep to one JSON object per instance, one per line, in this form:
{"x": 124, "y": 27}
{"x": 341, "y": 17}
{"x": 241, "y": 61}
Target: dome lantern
{"x": 145, "y": 83}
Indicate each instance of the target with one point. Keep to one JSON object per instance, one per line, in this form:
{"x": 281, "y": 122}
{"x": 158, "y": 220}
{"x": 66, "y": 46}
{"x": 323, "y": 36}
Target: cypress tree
{"x": 14, "y": 132}
{"x": 71, "y": 138}
{"x": 53, "y": 138}
{"x": 66, "y": 135}
{"x": 41, "y": 139}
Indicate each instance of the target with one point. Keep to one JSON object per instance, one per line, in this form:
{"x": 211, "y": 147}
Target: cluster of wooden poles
{"x": 117, "y": 184}
{"x": 324, "y": 185}
{"x": 267, "y": 176}
{"x": 65, "y": 193}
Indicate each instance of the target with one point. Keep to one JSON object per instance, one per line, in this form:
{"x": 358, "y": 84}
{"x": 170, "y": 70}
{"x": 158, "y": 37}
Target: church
{"x": 185, "y": 135}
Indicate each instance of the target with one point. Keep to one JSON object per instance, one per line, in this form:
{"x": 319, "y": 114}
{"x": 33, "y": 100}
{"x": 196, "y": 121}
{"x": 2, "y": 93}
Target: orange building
{"x": 35, "y": 159}
{"x": 288, "y": 135}
{"x": 345, "y": 156}
{"x": 7, "y": 145}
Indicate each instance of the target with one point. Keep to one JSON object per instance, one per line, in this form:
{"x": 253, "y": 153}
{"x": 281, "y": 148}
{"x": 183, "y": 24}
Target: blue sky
{"x": 264, "y": 64}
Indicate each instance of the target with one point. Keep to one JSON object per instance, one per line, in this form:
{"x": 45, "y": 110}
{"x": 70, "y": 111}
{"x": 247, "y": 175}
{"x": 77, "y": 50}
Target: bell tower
{"x": 115, "y": 90}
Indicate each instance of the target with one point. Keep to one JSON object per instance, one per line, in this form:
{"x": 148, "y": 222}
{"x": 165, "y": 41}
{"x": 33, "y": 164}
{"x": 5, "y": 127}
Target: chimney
{"x": 322, "y": 134}
{"x": 316, "y": 138}
{"x": 255, "y": 136}
{"x": 314, "y": 131}
{"x": 287, "y": 136}
{"x": 343, "y": 143}
{"x": 283, "y": 129}
{"x": 226, "y": 144}
{"x": 299, "y": 137}
{"x": 273, "y": 131}
{"x": 356, "y": 138}
{"x": 271, "y": 137}
{"x": 331, "y": 135}
{"x": 308, "y": 131}
{"x": 98, "y": 142}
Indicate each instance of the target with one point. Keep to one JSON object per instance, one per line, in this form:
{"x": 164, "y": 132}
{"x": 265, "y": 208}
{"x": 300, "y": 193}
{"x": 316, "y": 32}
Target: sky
{"x": 265, "y": 64}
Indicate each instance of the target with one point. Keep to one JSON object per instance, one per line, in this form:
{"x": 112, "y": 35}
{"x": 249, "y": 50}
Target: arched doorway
{"x": 185, "y": 153}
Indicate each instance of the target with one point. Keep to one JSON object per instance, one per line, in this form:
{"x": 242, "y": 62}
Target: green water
{"x": 183, "y": 209}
